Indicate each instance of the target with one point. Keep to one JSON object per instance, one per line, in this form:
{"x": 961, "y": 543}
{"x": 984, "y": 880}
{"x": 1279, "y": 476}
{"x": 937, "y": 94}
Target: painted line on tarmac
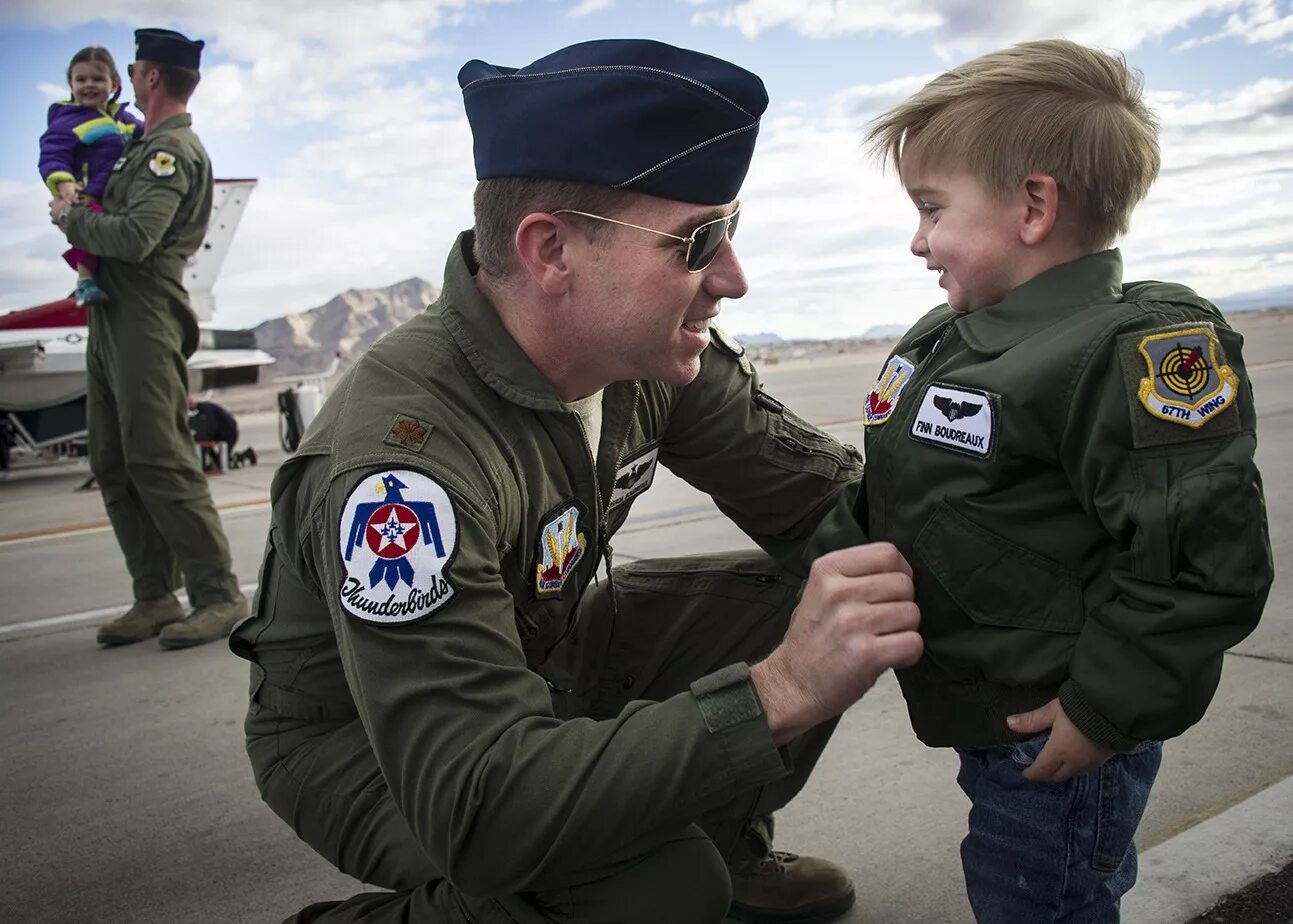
{"x": 74, "y": 620}
{"x": 1189, "y": 873}
{"x": 99, "y": 526}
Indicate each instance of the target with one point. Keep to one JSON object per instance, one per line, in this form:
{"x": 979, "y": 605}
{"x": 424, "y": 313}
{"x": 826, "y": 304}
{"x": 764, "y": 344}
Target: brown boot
{"x": 204, "y": 624}
{"x": 143, "y": 620}
{"x": 775, "y": 887}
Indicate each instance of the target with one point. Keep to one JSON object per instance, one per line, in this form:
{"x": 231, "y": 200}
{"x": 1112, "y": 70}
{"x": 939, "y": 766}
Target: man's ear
{"x": 1040, "y": 196}
{"x": 542, "y": 243}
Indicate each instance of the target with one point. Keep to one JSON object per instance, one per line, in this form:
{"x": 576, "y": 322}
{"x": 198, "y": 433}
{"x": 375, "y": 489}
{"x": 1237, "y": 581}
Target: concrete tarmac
{"x": 125, "y": 794}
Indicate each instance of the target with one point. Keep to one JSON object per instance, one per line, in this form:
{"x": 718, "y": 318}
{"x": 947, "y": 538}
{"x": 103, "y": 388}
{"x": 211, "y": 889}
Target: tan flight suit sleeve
{"x": 160, "y": 178}
{"x": 502, "y": 795}
{"x": 1194, "y": 566}
{"x": 788, "y": 485}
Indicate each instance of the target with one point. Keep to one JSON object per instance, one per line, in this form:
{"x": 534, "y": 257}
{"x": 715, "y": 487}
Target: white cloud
{"x": 286, "y": 63}
{"x": 376, "y": 178}
{"x": 825, "y": 18}
{"x": 966, "y": 26}
{"x": 589, "y": 6}
{"x": 1258, "y": 22}
{"x": 825, "y": 235}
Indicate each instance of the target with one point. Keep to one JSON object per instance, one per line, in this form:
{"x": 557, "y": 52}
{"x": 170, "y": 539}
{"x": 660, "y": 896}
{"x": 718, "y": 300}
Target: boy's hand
{"x": 1068, "y": 753}
{"x": 69, "y": 191}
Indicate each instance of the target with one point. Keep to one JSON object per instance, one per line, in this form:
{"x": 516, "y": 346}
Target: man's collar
{"x": 180, "y": 120}
{"x": 1042, "y": 301}
{"x": 475, "y": 325}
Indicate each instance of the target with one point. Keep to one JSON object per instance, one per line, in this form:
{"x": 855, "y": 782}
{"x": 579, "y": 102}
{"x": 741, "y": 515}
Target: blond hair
{"x": 1052, "y": 107}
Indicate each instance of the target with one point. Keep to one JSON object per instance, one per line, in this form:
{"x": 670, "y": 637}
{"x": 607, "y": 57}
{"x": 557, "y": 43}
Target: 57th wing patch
{"x": 398, "y": 535}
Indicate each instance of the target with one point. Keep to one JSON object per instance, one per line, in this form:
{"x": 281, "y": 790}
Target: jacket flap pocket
{"x": 996, "y": 582}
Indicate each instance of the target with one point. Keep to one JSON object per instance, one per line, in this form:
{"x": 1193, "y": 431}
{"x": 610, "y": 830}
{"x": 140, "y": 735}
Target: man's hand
{"x": 56, "y": 209}
{"x": 856, "y": 620}
{"x": 69, "y": 191}
{"x": 1067, "y": 753}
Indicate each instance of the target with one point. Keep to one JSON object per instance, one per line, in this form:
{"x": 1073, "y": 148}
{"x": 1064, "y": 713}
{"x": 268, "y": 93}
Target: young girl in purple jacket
{"x": 83, "y": 141}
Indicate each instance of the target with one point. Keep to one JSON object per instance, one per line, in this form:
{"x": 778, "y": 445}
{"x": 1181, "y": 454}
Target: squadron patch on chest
{"x": 398, "y": 535}
{"x": 963, "y": 419}
{"x": 561, "y": 547}
{"x": 1188, "y": 382}
{"x": 162, "y": 164}
{"x": 884, "y": 394}
{"x": 634, "y": 475}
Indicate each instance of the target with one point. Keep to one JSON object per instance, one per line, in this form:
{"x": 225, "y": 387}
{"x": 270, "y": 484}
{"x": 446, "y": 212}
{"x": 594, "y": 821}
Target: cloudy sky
{"x": 349, "y": 114}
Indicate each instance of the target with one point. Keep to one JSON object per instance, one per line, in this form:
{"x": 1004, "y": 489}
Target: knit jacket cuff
{"x": 1091, "y": 723}
{"x": 58, "y": 176}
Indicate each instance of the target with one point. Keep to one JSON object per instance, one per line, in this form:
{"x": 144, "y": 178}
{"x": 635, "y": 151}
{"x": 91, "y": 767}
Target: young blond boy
{"x": 1067, "y": 462}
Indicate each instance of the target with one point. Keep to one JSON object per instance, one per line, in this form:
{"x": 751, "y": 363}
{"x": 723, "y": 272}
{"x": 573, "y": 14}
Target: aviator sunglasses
{"x": 702, "y": 243}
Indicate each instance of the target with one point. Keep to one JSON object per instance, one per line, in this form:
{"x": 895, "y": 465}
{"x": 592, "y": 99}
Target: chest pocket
{"x": 123, "y": 175}
{"x": 996, "y": 582}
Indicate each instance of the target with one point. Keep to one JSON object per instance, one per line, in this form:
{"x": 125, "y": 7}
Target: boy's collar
{"x": 1043, "y": 300}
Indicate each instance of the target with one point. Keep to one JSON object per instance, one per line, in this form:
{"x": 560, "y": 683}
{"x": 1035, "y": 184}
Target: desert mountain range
{"x": 345, "y": 326}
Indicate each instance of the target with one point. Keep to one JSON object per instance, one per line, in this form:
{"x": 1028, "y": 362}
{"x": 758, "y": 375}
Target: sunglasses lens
{"x": 706, "y": 241}
{"x": 130, "y": 70}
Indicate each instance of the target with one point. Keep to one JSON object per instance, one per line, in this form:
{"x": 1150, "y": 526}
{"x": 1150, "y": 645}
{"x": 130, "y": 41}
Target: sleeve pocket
{"x": 1219, "y": 519}
{"x": 795, "y": 445}
{"x": 996, "y": 582}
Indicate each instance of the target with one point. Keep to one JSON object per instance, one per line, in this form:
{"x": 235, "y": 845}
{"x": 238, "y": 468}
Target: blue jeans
{"x": 1058, "y": 853}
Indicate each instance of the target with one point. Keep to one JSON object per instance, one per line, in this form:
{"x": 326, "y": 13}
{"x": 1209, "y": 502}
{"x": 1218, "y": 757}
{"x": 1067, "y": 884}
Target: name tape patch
{"x": 634, "y": 476}
{"x": 957, "y": 418}
{"x": 398, "y": 534}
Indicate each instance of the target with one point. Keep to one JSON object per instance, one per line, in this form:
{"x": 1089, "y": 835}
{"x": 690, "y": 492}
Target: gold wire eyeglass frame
{"x": 726, "y": 221}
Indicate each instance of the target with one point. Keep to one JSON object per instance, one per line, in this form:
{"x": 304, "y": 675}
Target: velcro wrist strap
{"x": 726, "y": 697}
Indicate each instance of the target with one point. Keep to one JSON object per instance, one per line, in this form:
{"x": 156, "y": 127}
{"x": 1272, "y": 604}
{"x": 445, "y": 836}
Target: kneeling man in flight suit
{"x": 444, "y": 702}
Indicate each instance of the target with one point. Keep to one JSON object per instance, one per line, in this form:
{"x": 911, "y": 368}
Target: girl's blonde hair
{"x": 1051, "y": 107}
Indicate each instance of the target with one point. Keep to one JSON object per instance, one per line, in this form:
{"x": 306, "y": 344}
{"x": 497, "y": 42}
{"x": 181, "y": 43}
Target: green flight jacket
{"x": 503, "y": 796}
{"x": 155, "y": 212}
{"x": 1066, "y": 540}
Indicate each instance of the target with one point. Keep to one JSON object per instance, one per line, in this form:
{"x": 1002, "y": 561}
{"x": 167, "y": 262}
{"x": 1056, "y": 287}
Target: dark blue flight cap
{"x": 626, "y": 113}
{"x": 166, "y": 47}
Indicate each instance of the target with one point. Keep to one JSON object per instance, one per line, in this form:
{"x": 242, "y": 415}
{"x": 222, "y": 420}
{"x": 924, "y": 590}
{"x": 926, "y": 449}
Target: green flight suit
{"x": 483, "y": 728}
{"x": 1070, "y": 474}
{"x": 156, "y": 207}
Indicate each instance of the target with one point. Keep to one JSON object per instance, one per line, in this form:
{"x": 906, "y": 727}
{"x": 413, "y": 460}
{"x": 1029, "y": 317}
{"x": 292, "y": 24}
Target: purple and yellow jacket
{"x": 82, "y": 144}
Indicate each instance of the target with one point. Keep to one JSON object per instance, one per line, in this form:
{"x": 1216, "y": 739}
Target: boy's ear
{"x": 542, "y": 244}
{"x": 1041, "y": 199}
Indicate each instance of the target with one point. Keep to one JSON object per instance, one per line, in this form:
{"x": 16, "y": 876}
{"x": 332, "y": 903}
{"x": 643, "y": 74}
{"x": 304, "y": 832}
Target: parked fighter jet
{"x": 42, "y": 349}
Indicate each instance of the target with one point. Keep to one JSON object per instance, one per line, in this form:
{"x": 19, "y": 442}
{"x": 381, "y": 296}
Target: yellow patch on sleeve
{"x": 162, "y": 164}
{"x": 1188, "y": 381}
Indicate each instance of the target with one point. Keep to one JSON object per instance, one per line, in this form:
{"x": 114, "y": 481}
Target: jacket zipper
{"x": 603, "y": 543}
{"x": 919, "y": 379}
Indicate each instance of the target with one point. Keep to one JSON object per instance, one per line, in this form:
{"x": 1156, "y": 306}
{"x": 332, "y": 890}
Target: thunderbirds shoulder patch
{"x": 162, "y": 164}
{"x": 884, "y": 394}
{"x": 1188, "y": 382}
{"x": 398, "y": 535}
